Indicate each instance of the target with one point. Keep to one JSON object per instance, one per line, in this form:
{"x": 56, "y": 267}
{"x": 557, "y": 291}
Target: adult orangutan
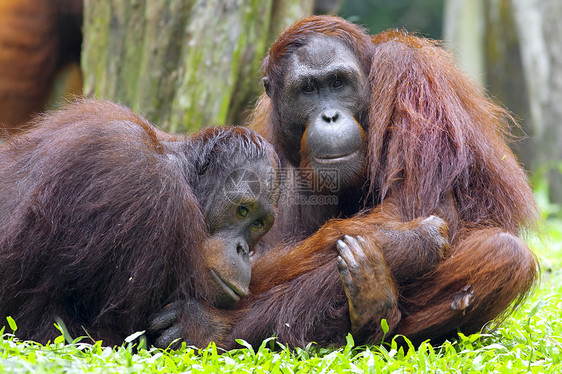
{"x": 409, "y": 135}
{"x": 406, "y": 135}
{"x": 106, "y": 219}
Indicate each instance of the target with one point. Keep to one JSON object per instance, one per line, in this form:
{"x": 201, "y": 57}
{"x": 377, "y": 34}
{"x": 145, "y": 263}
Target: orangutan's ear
{"x": 267, "y": 86}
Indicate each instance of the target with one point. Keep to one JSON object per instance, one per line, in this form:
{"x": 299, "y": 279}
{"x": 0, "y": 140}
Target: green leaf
{"x": 12, "y": 323}
{"x": 247, "y": 345}
{"x": 384, "y": 326}
{"x": 132, "y": 337}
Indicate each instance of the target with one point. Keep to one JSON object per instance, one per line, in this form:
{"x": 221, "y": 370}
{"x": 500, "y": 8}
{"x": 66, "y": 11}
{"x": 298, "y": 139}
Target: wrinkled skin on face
{"x": 319, "y": 106}
{"x": 238, "y": 211}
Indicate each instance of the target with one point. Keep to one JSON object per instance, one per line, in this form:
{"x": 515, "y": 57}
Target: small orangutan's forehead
{"x": 252, "y": 176}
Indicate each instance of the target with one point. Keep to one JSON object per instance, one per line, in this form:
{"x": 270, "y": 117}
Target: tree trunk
{"x": 539, "y": 23}
{"x": 185, "y": 64}
{"x": 504, "y": 74}
{"x": 463, "y": 32}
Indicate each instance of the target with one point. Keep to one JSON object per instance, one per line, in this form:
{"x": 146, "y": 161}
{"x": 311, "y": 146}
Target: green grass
{"x": 530, "y": 340}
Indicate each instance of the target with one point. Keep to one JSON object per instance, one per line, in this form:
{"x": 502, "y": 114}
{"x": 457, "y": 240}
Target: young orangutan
{"x": 106, "y": 219}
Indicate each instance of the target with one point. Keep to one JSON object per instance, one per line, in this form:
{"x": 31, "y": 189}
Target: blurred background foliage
{"x": 424, "y": 17}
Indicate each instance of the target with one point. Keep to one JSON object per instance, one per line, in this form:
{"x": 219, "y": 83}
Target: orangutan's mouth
{"x": 326, "y": 160}
{"x": 232, "y": 290}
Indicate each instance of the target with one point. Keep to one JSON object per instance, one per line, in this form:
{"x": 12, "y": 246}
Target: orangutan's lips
{"x": 233, "y": 291}
{"x": 336, "y": 159}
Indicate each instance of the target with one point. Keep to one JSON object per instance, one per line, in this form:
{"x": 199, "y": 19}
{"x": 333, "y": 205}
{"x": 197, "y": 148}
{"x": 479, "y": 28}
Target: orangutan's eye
{"x": 309, "y": 88}
{"x": 337, "y": 83}
{"x": 242, "y": 211}
{"x": 258, "y": 224}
